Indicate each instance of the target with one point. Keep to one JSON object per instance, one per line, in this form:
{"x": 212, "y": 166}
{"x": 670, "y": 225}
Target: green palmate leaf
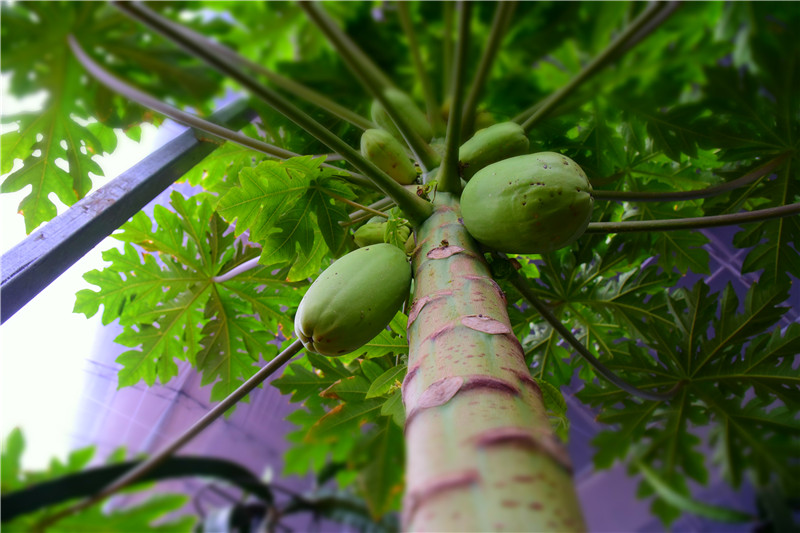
{"x": 381, "y": 479}
{"x": 390, "y": 341}
{"x": 757, "y": 435}
{"x": 556, "y": 408}
{"x": 775, "y": 242}
{"x": 394, "y": 408}
{"x": 286, "y": 206}
{"x": 219, "y": 171}
{"x": 352, "y": 389}
{"x": 720, "y": 352}
{"x": 148, "y": 515}
{"x": 172, "y": 307}
{"x": 56, "y": 146}
{"x": 162, "y": 334}
{"x": 346, "y": 416}
{"x": 13, "y": 446}
{"x": 387, "y": 381}
{"x": 232, "y": 343}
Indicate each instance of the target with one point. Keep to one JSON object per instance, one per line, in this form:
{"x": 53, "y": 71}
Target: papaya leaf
{"x": 147, "y": 515}
{"x": 390, "y": 341}
{"x": 57, "y": 146}
{"x": 171, "y": 306}
{"x": 380, "y": 480}
{"x": 394, "y": 408}
{"x": 232, "y": 343}
{"x": 387, "y": 381}
{"x": 712, "y": 340}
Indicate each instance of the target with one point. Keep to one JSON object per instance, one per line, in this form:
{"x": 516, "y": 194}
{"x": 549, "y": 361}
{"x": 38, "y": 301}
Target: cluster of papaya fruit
{"x": 512, "y": 201}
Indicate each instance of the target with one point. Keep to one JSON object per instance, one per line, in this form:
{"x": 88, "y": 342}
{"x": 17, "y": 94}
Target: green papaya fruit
{"x": 369, "y": 233}
{"x": 408, "y": 109}
{"x": 533, "y": 203}
{"x": 490, "y": 145}
{"x": 353, "y": 300}
{"x": 388, "y": 154}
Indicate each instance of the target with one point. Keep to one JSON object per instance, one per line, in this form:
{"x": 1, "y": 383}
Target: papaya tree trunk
{"x": 481, "y": 455}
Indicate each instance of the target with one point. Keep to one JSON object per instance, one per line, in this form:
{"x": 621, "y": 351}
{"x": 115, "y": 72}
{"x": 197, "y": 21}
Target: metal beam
{"x": 46, "y": 253}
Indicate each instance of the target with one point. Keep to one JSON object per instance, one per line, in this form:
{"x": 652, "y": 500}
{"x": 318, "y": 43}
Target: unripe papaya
{"x": 353, "y": 300}
{"x": 388, "y": 154}
{"x": 415, "y": 118}
{"x": 370, "y": 233}
{"x": 533, "y": 203}
{"x": 491, "y": 145}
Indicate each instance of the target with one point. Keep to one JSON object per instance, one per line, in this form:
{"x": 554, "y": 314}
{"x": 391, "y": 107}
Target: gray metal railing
{"x": 45, "y": 254}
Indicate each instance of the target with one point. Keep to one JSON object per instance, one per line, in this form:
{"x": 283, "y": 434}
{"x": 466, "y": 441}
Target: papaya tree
{"x": 545, "y": 168}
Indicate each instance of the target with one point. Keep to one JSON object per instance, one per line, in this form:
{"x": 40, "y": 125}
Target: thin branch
{"x": 153, "y": 461}
{"x": 358, "y": 216}
{"x": 502, "y": 17}
{"x": 431, "y": 107}
{"x": 288, "y": 84}
{"x": 415, "y": 208}
{"x": 536, "y": 113}
{"x": 373, "y": 80}
{"x": 448, "y": 178}
{"x": 355, "y": 204}
{"x": 146, "y": 100}
{"x": 239, "y": 269}
{"x": 522, "y": 286}
{"x": 649, "y": 196}
{"x": 694, "y": 222}
{"x": 447, "y": 47}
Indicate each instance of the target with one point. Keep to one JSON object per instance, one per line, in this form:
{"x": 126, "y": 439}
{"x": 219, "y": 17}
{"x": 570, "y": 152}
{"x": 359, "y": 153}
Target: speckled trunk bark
{"x": 480, "y": 452}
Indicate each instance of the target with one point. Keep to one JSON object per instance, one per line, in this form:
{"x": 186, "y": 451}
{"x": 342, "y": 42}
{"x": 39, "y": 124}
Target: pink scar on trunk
{"x": 443, "y": 252}
{"x": 546, "y": 443}
{"x": 487, "y": 279}
{"x": 486, "y": 324}
{"x": 417, "y": 497}
{"x": 418, "y": 304}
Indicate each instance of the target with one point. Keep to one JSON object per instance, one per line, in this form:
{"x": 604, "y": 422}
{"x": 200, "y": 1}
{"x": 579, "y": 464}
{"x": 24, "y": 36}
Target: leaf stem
{"x": 431, "y": 107}
{"x": 358, "y": 216}
{"x": 448, "y": 178}
{"x": 355, "y": 204}
{"x": 415, "y": 208}
{"x": 645, "y": 196}
{"x": 533, "y": 115}
{"x": 373, "y": 80}
{"x": 288, "y": 84}
{"x": 688, "y": 504}
{"x": 694, "y": 222}
{"x": 153, "y": 461}
{"x": 447, "y": 47}
{"x": 502, "y": 18}
{"x": 239, "y": 269}
{"x": 146, "y": 100}
{"x": 525, "y": 290}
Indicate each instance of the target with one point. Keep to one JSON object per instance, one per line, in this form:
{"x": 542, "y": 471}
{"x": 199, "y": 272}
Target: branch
{"x": 372, "y": 79}
{"x": 447, "y": 47}
{"x": 288, "y": 84}
{"x": 502, "y": 18}
{"x": 153, "y": 461}
{"x": 431, "y": 107}
{"x": 522, "y": 286}
{"x": 694, "y": 222}
{"x": 537, "y": 112}
{"x": 146, "y": 100}
{"x": 448, "y": 178}
{"x": 415, "y": 208}
{"x": 644, "y": 196}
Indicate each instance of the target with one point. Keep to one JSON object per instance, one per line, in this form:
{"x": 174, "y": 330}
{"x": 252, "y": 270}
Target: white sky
{"x": 44, "y": 345}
